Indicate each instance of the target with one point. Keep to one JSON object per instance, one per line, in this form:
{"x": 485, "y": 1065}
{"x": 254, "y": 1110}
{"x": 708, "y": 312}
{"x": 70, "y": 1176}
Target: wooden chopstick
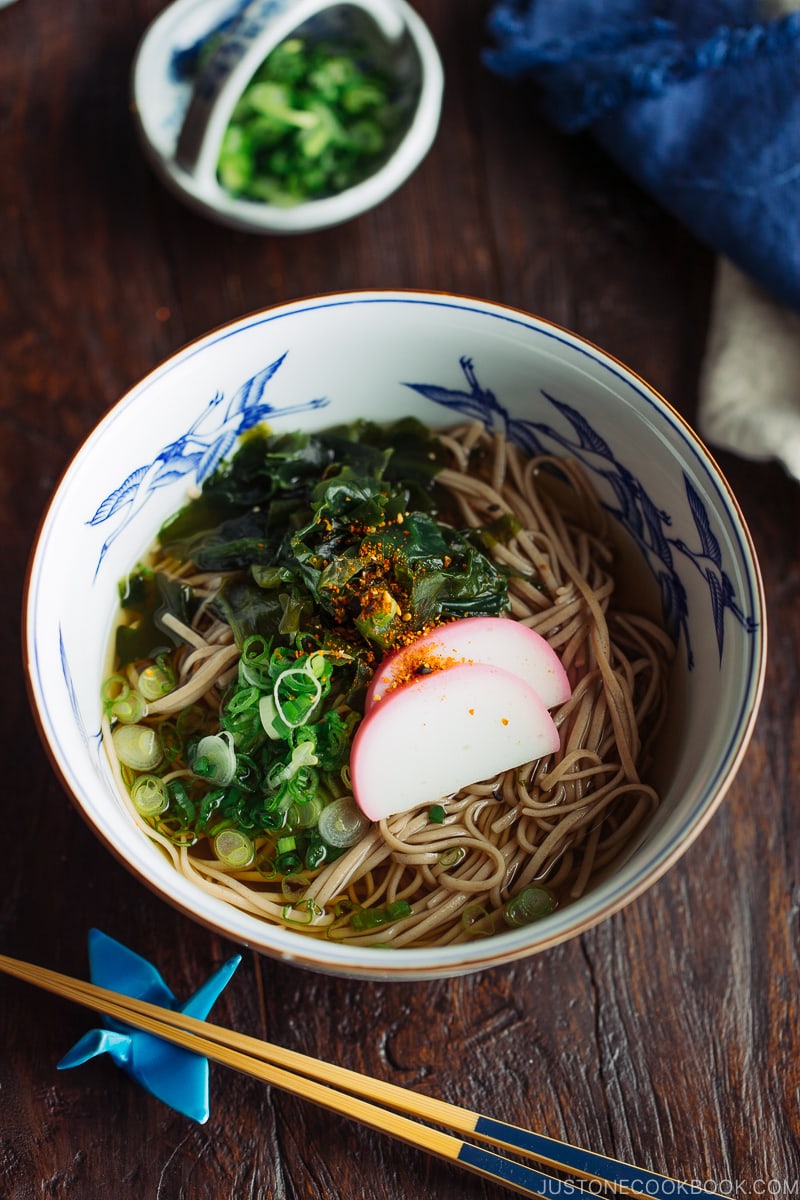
{"x": 178, "y": 1030}
{"x": 301, "y": 1075}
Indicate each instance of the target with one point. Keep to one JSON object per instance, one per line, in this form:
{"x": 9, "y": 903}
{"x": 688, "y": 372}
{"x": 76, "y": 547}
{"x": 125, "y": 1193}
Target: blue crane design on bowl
{"x": 212, "y": 436}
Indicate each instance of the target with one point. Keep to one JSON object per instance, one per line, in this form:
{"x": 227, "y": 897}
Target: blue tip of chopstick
{"x": 619, "y": 1175}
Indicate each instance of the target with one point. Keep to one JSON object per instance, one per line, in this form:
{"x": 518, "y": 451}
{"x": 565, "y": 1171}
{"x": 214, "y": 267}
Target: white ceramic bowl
{"x": 181, "y": 122}
{"x": 382, "y": 355}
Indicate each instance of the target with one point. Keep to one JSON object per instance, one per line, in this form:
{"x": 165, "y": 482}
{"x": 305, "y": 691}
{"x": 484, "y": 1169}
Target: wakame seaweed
{"x": 146, "y": 596}
{"x": 336, "y": 528}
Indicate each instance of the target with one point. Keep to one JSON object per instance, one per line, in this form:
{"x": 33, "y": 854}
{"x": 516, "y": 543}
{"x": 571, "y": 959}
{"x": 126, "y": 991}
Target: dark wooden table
{"x": 669, "y": 1035}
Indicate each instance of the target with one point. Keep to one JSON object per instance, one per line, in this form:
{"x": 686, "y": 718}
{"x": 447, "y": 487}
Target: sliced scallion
{"x": 170, "y": 740}
{"x": 531, "y": 904}
{"x": 288, "y": 863}
{"x": 122, "y": 702}
{"x": 149, "y": 795}
{"x": 158, "y": 679}
{"x": 477, "y": 921}
{"x": 303, "y": 757}
{"x": 254, "y": 663}
{"x": 113, "y": 688}
{"x": 130, "y": 710}
{"x": 215, "y": 758}
{"x": 342, "y": 823}
{"x": 190, "y": 720}
{"x": 306, "y": 815}
{"x": 270, "y": 718}
{"x": 316, "y": 854}
{"x": 314, "y": 119}
{"x": 309, "y": 905}
{"x": 288, "y": 708}
{"x": 234, "y": 848}
{"x": 137, "y": 746}
{"x": 294, "y": 888}
{"x": 243, "y": 699}
{"x": 372, "y": 918}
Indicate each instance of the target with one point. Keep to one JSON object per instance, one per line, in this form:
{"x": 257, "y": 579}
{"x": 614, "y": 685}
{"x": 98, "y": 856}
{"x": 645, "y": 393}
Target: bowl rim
{"x": 407, "y": 964}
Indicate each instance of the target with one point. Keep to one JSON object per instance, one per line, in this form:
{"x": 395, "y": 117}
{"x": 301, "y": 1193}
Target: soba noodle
{"x": 561, "y": 820}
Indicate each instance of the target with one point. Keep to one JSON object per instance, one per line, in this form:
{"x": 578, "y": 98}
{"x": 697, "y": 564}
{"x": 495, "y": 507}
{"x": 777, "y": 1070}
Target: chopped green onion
{"x": 288, "y": 863}
{"x": 291, "y": 712}
{"x": 317, "y": 665}
{"x": 309, "y": 904}
{"x": 149, "y": 795}
{"x": 316, "y": 853}
{"x": 129, "y": 710}
{"x": 265, "y": 866}
{"x": 303, "y": 756}
{"x": 137, "y": 746}
{"x": 306, "y": 814}
{"x": 477, "y": 921}
{"x": 234, "y": 848}
{"x": 176, "y": 831}
{"x": 245, "y": 725}
{"x": 179, "y": 799}
{"x": 254, "y": 664}
{"x": 159, "y": 679}
{"x": 436, "y": 814}
{"x": 115, "y": 687}
{"x": 170, "y": 741}
{"x": 342, "y": 823}
{"x": 303, "y": 785}
{"x": 243, "y": 699}
{"x": 190, "y": 720}
{"x": 215, "y": 758}
{"x": 270, "y": 718}
{"x": 247, "y": 774}
{"x": 531, "y": 904}
{"x": 371, "y": 918}
{"x": 452, "y": 856}
{"x": 209, "y": 805}
{"x": 273, "y": 819}
{"x": 294, "y": 888}
{"x": 122, "y": 702}
{"x": 312, "y": 121}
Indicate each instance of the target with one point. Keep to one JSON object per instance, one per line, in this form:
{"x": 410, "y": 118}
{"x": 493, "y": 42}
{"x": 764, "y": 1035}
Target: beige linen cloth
{"x": 750, "y": 379}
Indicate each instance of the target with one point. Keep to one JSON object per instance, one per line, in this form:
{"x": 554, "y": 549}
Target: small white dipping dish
{"x": 181, "y": 120}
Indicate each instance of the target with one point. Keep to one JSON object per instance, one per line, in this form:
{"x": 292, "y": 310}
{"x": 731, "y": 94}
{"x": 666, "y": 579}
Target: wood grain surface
{"x": 670, "y": 1034}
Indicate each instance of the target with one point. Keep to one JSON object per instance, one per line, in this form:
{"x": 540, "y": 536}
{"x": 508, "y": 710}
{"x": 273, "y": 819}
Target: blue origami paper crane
{"x": 175, "y": 1076}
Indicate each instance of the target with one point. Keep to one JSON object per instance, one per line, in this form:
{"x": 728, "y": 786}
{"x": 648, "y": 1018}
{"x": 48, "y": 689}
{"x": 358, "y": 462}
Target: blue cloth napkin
{"x": 698, "y": 102}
